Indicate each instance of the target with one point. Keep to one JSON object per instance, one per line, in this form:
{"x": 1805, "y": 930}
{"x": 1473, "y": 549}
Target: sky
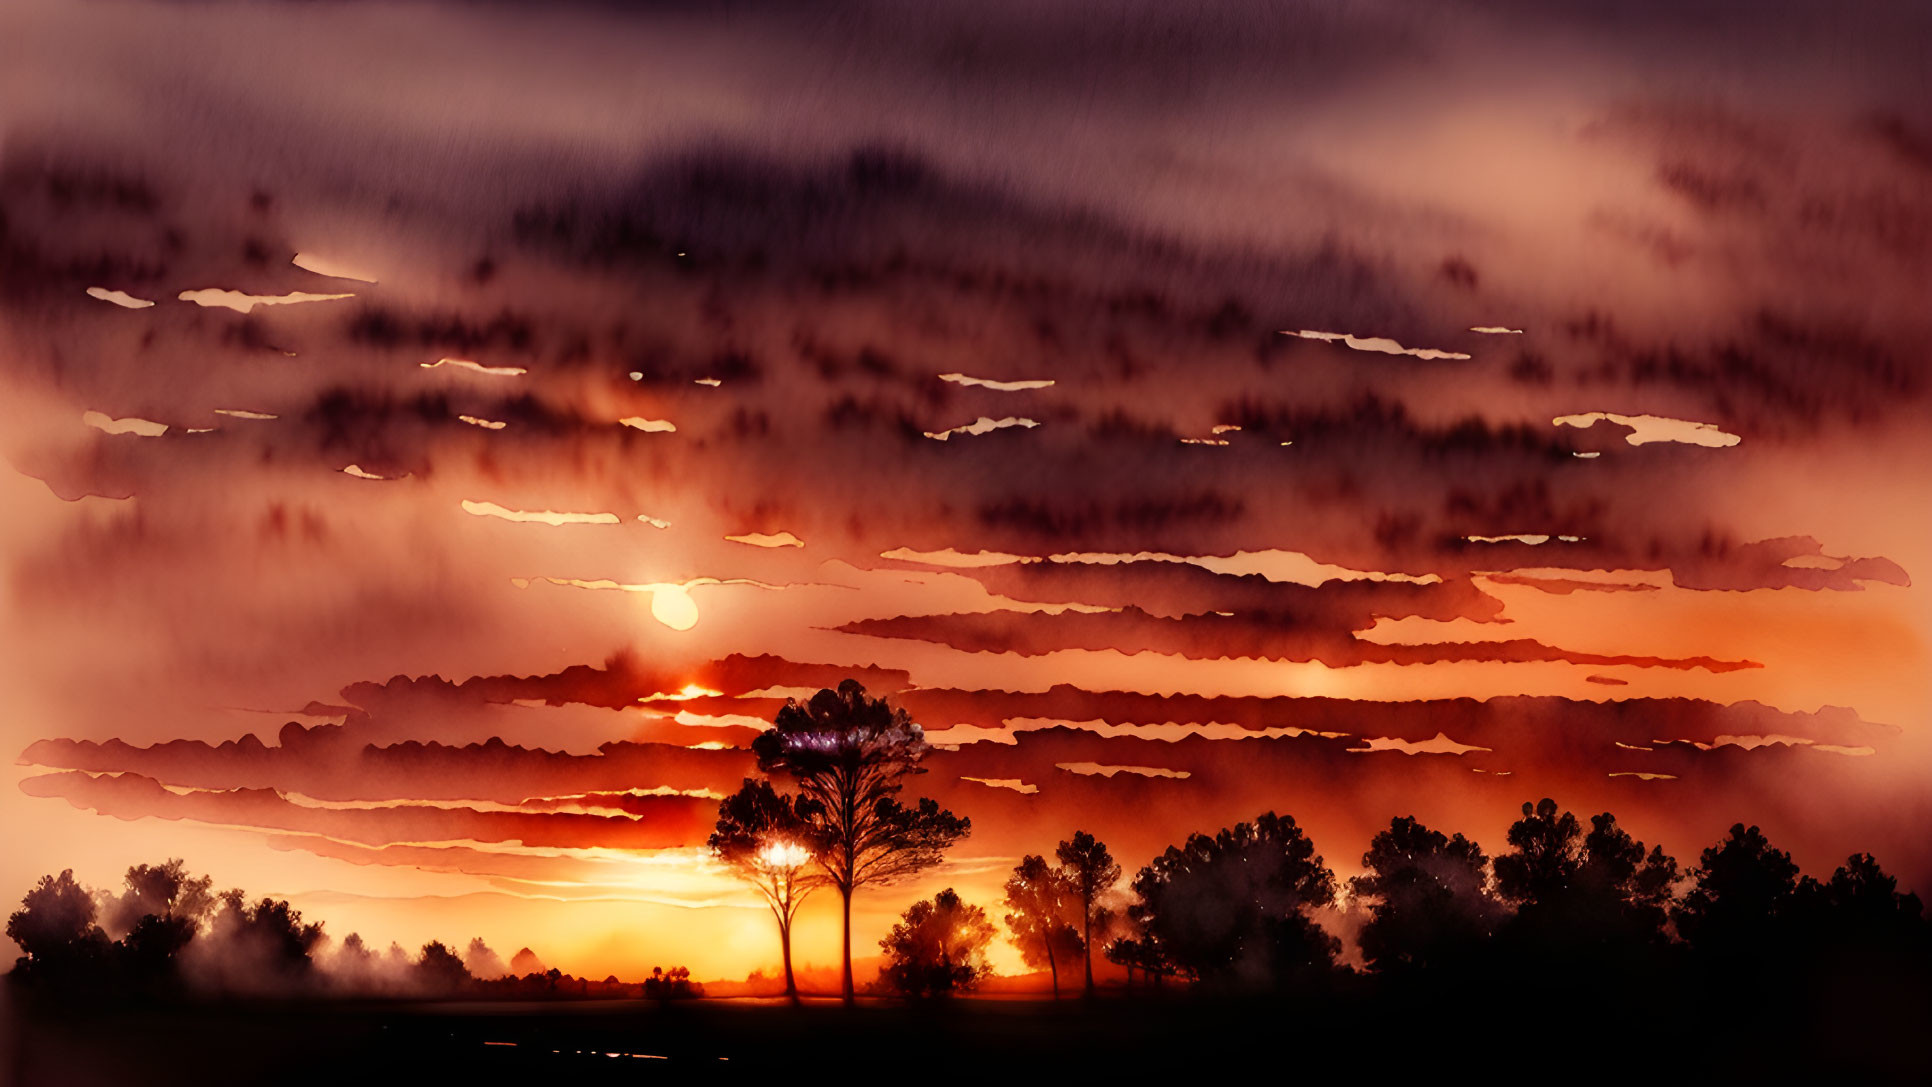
{"x": 437, "y": 436}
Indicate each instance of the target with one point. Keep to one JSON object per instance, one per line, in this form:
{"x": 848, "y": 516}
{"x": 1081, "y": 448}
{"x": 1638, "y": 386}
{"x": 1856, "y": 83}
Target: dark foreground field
{"x": 1341, "y": 1037}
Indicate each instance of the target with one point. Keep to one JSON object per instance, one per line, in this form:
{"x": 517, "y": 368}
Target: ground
{"x": 1341, "y": 1037}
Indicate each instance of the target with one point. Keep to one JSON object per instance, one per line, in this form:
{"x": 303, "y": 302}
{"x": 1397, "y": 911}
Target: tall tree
{"x": 1742, "y": 894}
{"x": 55, "y": 925}
{"x": 264, "y": 947}
{"x": 1858, "y": 922}
{"x": 848, "y": 756}
{"x": 1094, "y": 872}
{"x": 1627, "y": 889}
{"x": 1598, "y": 895}
{"x": 1043, "y": 900}
{"x": 164, "y": 891}
{"x": 1545, "y": 853}
{"x": 1430, "y": 903}
{"x": 762, "y": 837}
{"x": 938, "y": 947}
{"x": 441, "y": 970}
{"x": 1233, "y": 908}
{"x": 1864, "y": 900}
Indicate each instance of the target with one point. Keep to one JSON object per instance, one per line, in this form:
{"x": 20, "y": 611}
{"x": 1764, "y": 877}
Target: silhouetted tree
{"x": 938, "y": 947}
{"x": 1431, "y": 906}
{"x": 152, "y": 947}
{"x": 1545, "y": 855}
{"x": 482, "y": 962}
{"x": 55, "y": 927}
{"x": 672, "y": 984}
{"x": 265, "y": 945}
{"x": 1863, "y": 902}
{"x": 1094, "y": 872}
{"x": 1623, "y": 885}
{"x": 1858, "y": 916}
{"x": 353, "y": 965}
{"x": 525, "y": 961}
{"x": 157, "y": 914}
{"x": 440, "y": 970}
{"x": 1599, "y": 893}
{"x": 1741, "y": 889}
{"x": 1139, "y": 953}
{"x": 1233, "y": 908}
{"x": 163, "y": 891}
{"x": 1044, "y": 901}
{"x": 1743, "y": 893}
{"x": 848, "y": 755}
{"x": 765, "y": 841}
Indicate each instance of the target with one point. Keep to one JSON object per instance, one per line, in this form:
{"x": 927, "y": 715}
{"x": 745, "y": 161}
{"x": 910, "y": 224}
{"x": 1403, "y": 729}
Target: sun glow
{"x": 672, "y": 605}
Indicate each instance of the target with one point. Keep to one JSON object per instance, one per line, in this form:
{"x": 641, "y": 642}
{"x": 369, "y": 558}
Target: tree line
{"x": 166, "y": 933}
{"x": 1236, "y": 909}
{"x": 1233, "y": 910}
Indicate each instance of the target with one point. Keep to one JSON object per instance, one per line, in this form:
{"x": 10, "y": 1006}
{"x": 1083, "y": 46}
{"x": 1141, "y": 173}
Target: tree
{"x": 938, "y": 947}
{"x": 157, "y": 914}
{"x": 354, "y": 966}
{"x": 762, "y": 837}
{"x": 1862, "y": 900}
{"x": 482, "y": 962}
{"x": 55, "y": 925}
{"x": 1599, "y": 892}
{"x": 1233, "y": 908}
{"x": 1430, "y": 903}
{"x": 1139, "y": 953}
{"x": 151, "y": 949}
{"x": 1744, "y": 891}
{"x": 1629, "y": 888}
{"x": 1856, "y": 924}
{"x": 674, "y": 984}
{"x": 263, "y": 946}
{"x": 441, "y": 970}
{"x": 1094, "y": 872}
{"x": 1546, "y": 857}
{"x": 848, "y": 755}
{"x": 163, "y": 891}
{"x": 1043, "y": 900}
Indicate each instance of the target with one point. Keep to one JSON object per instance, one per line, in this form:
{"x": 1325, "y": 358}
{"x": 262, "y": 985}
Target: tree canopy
{"x": 1599, "y": 892}
{"x": 937, "y": 948}
{"x": 848, "y": 755}
{"x": 1045, "y": 904}
{"x": 55, "y": 922}
{"x": 1233, "y": 908}
{"x": 1429, "y": 901}
{"x": 769, "y": 840}
{"x": 1742, "y": 890}
{"x": 1094, "y": 872}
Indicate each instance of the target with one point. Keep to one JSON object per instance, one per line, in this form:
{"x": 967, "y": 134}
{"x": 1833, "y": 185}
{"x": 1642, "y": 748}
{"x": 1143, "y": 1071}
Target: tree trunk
{"x": 1053, "y": 970}
{"x": 845, "y": 989}
{"x": 1086, "y": 942}
{"x": 785, "y": 943}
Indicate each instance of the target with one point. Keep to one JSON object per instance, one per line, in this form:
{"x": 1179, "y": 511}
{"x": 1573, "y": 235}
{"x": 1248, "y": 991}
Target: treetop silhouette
{"x": 1232, "y": 908}
{"x": 1094, "y": 872}
{"x": 1045, "y": 903}
{"x": 847, "y": 755}
{"x": 769, "y": 840}
{"x": 937, "y": 948}
{"x": 1430, "y": 904}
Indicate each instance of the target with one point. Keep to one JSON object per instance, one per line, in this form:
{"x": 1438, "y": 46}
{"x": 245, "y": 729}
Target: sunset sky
{"x": 438, "y": 435}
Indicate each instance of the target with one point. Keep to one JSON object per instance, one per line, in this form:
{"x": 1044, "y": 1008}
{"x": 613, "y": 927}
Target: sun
{"x": 672, "y": 605}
